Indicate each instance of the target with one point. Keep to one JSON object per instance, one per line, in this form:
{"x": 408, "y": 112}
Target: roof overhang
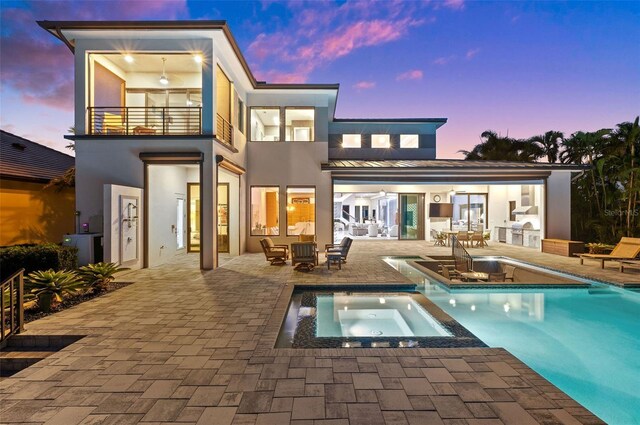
{"x": 62, "y": 30}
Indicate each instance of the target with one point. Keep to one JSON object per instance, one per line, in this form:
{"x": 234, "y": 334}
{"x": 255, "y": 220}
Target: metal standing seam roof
{"x": 22, "y": 159}
{"x": 445, "y": 164}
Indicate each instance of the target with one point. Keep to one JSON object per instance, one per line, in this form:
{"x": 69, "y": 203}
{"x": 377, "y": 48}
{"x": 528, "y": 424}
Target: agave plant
{"x": 50, "y": 285}
{"x": 99, "y": 275}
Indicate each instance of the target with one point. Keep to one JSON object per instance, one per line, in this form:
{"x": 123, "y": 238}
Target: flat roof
{"x": 445, "y": 164}
{"x": 392, "y": 120}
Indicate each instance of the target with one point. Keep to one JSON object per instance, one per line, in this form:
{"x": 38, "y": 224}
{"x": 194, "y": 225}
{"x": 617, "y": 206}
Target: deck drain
{"x": 376, "y": 333}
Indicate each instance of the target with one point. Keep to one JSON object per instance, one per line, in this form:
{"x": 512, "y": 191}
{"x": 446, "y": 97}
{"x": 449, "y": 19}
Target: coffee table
{"x": 475, "y": 276}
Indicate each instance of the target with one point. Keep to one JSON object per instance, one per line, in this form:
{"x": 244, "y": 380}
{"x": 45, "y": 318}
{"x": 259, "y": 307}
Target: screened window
{"x": 301, "y": 211}
{"x": 351, "y": 140}
{"x": 265, "y": 211}
{"x": 409, "y": 141}
{"x": 299, "y": 124}
{"x": 265, "y": 124}
{"x": 380, "y": 141}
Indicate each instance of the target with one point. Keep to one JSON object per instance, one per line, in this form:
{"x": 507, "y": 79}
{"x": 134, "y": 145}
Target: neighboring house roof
{"x": 22, "y": 159}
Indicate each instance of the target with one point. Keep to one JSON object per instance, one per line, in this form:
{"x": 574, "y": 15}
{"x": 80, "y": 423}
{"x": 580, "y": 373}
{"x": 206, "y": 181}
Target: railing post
{"x": 90, "y": 113}
{"x": 164, "y": 120}
{"x": 20, "y": 302}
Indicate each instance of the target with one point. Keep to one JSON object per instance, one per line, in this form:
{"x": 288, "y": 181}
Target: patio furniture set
{"x": 473, "y": 239}
{"x": 304, "y": 254}
{"x": 460, "y": 272}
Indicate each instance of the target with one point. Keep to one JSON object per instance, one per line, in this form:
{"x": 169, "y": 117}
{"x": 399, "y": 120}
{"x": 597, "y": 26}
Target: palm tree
{"x": 550, "y": 143}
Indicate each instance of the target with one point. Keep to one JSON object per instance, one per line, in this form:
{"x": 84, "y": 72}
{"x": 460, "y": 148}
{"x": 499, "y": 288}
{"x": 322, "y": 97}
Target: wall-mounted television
{"x": 440, "y": 210}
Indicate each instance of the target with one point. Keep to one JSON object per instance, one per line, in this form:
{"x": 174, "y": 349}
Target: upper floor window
{"x": 265, "y": 124}
{"x": 409, "y": 141}
{"x": 299, "y": 124}
{"x": 351, "y": 140}
{"x": 380, "y": 141}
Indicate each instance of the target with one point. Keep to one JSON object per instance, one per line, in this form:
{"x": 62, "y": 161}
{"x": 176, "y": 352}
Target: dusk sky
{"x": 517, "y": 68}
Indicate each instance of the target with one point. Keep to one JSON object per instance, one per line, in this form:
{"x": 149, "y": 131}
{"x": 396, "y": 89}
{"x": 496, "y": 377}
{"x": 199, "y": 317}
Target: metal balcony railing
{"x": 12, "y": 306}
{"x": 224, "y": 130}
{"x": 143, "y": 121}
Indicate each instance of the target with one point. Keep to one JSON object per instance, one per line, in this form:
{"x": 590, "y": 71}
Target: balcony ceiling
{"x": 153, "y": 62}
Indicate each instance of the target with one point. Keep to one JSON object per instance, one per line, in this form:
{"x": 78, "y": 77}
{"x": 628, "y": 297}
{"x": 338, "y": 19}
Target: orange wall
{"x": 30, "y": 214}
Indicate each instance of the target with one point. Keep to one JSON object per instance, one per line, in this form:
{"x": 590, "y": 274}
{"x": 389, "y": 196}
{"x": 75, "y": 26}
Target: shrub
{"x": 36, "y": 257}
{"x": 50, "y": 285}
{"x": 599, "y": 248}
{"x": 99, "y": 275}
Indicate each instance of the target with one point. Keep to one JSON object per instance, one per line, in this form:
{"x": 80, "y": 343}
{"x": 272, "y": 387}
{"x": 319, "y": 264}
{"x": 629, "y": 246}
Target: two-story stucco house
{"x": 180, "y": 150}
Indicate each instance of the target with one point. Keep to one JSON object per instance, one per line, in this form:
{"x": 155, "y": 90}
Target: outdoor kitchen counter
{"x": 530, "y": 237}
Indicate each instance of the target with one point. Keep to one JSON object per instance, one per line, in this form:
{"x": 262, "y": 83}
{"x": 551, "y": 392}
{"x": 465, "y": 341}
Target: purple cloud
{"x": 364, "y": 85}
{"x": 413, "y": 74}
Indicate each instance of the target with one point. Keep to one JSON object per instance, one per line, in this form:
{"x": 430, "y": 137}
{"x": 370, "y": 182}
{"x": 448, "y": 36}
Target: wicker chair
{"x": 305, "y": 255}
{"x": 438, "y": 238}
{"x": 463, "y": 237}
{"x": 276, "y": 254}
{"x": 497, "y": 277}
{"x": 508, "y": 271}
{"x": 343, "y": 247}
{"x": 478, "y": 239}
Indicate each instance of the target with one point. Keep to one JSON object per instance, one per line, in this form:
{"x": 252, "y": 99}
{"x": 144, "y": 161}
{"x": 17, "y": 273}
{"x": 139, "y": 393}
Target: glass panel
{"x": 265, "y": 212}
{"x": 409, "y": 141}
{"x": 351, "y": 140}
{"x": 299, "y": 123}
{"x": 180, "y": 230}
{"x": 477, "y": 212}
{"x": 265, "y": 124}
{"x": 380, "y": 141}
{"x": 410, "y": 209}
{"x": 460, "y": 219}
{"x": 469, "y": 212}
{"x": 223, "y": 217}
{"x": 194, "y": 218}
{"x": 301, "y": 211}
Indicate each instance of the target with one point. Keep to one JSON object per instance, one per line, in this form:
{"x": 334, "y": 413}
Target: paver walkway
{"x": 195, "y": 347}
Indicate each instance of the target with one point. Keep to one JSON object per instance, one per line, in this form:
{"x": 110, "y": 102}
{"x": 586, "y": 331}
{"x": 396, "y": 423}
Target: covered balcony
{"x": 156, "y": 94}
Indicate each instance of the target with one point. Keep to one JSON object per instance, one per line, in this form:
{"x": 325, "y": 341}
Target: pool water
{"x": 380, "y": 315}
{"x": 584, "y": 341}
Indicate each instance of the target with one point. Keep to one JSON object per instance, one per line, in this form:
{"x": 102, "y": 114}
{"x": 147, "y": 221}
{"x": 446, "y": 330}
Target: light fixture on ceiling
{"x": 128, "y": 58}
{"x": 163, "y": 78}
{"x": 382, "y": 192}
{"x": 197, "y": 58}
{"x": 452, "y": 192}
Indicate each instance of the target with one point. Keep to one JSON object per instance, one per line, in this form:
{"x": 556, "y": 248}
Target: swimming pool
{"x": 584, "y": 341}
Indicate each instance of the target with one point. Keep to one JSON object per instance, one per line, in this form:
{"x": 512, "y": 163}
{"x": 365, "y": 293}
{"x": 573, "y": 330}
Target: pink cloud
{"x": 443, "y": 60}
{"x": 274, "y": 76}
{"x": 454, "y": 4}
{"x": 413, "y": 74}
{"x": 364, "y": 85}
{"x": 471, "y": 53}
{"x": 320, "y": 33}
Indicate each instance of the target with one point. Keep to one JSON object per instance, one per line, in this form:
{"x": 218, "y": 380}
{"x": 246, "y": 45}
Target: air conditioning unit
{"x": 90, "y": 247}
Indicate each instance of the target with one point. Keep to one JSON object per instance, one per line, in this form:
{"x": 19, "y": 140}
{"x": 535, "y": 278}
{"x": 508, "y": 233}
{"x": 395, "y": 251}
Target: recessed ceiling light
{"x": 197, "y": 58}
{"x": 128, "y": 58}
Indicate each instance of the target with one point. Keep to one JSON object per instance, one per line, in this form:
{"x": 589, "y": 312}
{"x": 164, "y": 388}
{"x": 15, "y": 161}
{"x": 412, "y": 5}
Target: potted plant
{"x": 99, "y": 275}
{"x": 50, "y": 285}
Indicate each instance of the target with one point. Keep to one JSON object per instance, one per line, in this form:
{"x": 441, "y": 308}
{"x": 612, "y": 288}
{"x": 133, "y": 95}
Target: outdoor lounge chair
{"x": 343, "y": 248}
{"x": 276, "y": 254}
{"x": 627, "y": 249}
{"x": 305, "y": 255}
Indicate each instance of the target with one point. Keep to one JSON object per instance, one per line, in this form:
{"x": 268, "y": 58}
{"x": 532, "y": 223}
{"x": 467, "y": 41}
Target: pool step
{"x": 22, "y": 351}
{"x": 601, "y": 291}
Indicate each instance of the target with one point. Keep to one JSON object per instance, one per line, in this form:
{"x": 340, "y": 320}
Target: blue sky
{"x": 520, "y": 68}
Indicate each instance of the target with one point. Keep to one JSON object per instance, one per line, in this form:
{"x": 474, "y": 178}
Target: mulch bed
{"x": 32, "y": 313}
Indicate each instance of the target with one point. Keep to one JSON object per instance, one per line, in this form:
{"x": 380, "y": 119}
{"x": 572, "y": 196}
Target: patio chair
{"x": 439, "y": 238}
{"x": 477, "y": 238}
{"x": 449, "y": 273}
{"x": 343, "y": 247}
{"x": 305, "y": 255}
{"x": 276, "y": 254}
{"x": 463, "y": 237}
{"x": 497, "y": 277}
{"x": 627, "y": 249}
{"x": 508, "y": 272}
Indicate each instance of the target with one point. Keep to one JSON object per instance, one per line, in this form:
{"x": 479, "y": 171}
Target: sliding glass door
{"x": 411, "y": 216}
{"x": 469, "y": 211}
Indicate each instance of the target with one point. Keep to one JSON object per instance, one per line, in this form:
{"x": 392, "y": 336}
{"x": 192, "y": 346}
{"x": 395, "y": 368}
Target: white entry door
{"x": 128, "y": 229}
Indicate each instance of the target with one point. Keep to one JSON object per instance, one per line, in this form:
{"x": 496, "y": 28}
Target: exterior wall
{"x": 111, "y": 161}
{"x": 558, "y": 202}
{"x": 425, "y": 131}
{"x": 31, "y": 214}
{"x": 290, "y": 164}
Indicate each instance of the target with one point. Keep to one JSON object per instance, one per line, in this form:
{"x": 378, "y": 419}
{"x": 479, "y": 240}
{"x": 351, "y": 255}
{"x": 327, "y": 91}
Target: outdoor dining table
{"x": 475, "y": 276}
{"x": 450, "y": 233}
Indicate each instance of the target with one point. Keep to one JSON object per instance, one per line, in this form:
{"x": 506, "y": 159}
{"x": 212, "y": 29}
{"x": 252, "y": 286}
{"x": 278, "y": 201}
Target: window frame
{"x": 313, "y": 129}
{"x": 251, "y": 207}
{"x": 241, "y": 115}
{"x": 315, "y": 206}
{"x": 381, "y": 147}
{"x": 405, "y": 147}
{"x": 350, "y": 147}
{"x": 280, "y": 127}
